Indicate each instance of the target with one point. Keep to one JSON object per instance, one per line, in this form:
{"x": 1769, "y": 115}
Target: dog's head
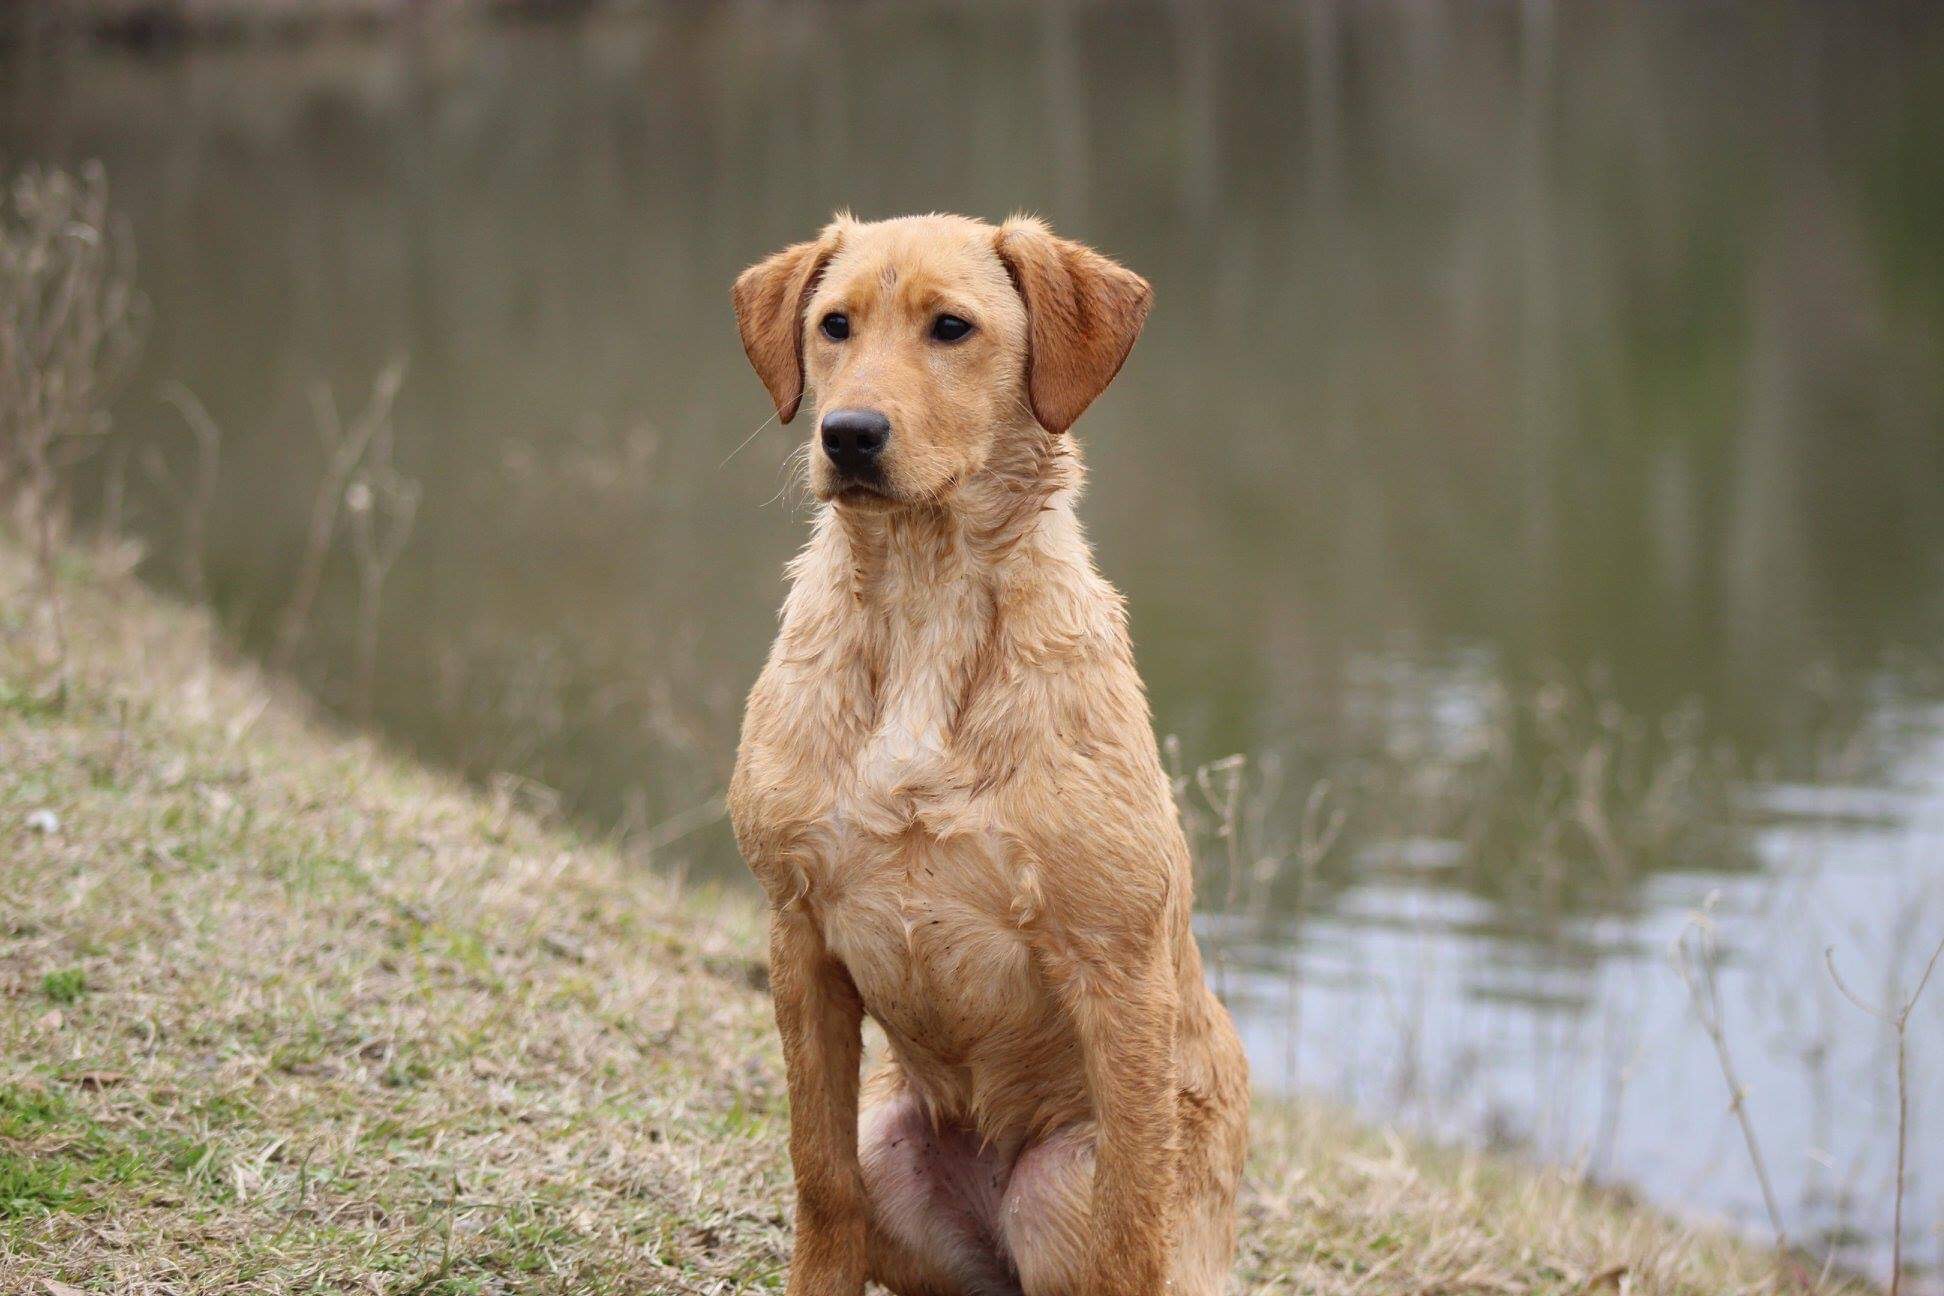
{"x": 931, "y": 340}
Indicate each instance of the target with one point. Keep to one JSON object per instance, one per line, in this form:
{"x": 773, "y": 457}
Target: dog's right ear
{"x": 769, "y": 299}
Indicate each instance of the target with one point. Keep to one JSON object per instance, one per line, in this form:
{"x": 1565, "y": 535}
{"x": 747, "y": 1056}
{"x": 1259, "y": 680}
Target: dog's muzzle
{"x": 853, "y": 439}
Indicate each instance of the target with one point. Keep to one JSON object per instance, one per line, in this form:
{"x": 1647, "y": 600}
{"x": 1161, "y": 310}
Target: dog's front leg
{"x": 1127, "y": 1023}
{"x": 820, "y": 1018}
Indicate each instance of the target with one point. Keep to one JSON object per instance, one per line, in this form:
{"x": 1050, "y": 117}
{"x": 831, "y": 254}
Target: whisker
{"x": 792, "y": 474}
{"x": 746, "y": 440}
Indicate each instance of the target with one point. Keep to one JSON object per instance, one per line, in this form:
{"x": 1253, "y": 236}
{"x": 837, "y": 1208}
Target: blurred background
{"x": 1529, "y": 489}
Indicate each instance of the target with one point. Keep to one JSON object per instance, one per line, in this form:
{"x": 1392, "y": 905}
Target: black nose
{"x": 854, "y": 438}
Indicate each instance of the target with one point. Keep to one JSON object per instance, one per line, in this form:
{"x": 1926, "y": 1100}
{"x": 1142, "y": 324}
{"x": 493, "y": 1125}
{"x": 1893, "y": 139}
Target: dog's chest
{"x": 917, "y": 896}
{"x": 905, "y": 756}
{"x": 925, "y": 930}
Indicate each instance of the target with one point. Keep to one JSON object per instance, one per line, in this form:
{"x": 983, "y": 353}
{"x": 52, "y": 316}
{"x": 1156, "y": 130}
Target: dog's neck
{"x": 896, "y": 619}
{"x": 917, "y": 597}
{"x": 1000, "y": 524}
{"x": 902, "y": 614}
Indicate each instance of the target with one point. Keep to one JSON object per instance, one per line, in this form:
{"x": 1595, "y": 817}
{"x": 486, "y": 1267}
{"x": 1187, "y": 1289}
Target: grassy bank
{"x": 280, "y": 1011}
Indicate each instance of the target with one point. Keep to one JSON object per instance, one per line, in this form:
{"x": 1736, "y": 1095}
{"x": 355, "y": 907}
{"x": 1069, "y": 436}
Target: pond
{"x": 1532, "y": 471}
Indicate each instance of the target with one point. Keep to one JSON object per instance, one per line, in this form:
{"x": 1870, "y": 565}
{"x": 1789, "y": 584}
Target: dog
{"x": 948, "y": 787}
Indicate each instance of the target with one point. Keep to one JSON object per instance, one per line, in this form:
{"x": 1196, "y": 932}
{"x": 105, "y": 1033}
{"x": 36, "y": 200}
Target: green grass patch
{"x": 26, "y": 1112}
{"x": 35, "y": 1185}
{"x": 56, "y": 1157}
{"x": 65, "y": 986}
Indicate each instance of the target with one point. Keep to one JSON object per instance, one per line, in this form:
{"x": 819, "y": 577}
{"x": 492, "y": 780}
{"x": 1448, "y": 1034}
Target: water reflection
{"x": 1535, "y": 446}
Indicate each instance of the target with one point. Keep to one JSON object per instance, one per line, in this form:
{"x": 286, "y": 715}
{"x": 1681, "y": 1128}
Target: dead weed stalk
{"x": 1697, "y": 955}
{"x": 194, "y": 495}
{"x": 344, "y": 451}
{"x": 71, "y": 324}
{"x": 1899, "y": 1022}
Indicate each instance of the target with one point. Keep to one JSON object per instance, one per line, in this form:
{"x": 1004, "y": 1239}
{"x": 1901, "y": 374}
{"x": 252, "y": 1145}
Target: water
{"x": 1535, "y": 447}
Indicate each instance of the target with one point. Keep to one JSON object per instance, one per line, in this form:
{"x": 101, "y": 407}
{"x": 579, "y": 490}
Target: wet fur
{"x": 949, "y": 789}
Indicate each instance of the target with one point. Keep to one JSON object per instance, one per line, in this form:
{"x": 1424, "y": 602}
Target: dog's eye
{"x": 949, "y": 328}
{"x": 836, "y": 326}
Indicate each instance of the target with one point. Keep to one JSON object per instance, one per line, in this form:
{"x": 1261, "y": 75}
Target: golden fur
{"x": 949, "y": 789}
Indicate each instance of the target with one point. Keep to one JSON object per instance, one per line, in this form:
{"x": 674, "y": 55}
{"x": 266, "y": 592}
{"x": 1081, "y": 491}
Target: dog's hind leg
{"x": 1045, "y": 1212}
{"x": 934, "y": 1201}
{"x": 1044, "y": 1217}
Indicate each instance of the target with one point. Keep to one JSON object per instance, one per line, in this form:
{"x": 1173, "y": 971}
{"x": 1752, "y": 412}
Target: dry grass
{"x": 282, "y": 1012}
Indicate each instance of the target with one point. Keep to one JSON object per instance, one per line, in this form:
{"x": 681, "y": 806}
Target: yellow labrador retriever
{"x": 949, "y": 789}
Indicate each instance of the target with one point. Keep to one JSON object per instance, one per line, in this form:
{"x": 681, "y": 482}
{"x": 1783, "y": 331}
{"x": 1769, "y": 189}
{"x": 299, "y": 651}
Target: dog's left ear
{"x": 769, "y": 299}
{"x": 1083, "y": 313}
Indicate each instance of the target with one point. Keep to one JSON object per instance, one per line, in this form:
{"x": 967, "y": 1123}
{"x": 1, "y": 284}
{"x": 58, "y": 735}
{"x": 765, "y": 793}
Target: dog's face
{"x": 929, "y": 340}
{"x": 914, "y": 341}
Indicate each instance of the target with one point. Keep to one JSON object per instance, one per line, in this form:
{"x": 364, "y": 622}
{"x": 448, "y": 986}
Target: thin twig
{"x": 70, "y": 326}
{"x": 195, "y": 497}
{"x": 1898, "y": 1021}
{"x": 344, "y": 450}
{"x": 1695, "y": 958}
{"x": 383, "y": 505}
